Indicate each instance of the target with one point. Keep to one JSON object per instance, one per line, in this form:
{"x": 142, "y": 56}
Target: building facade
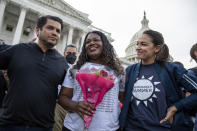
{"x": 131, "y": 54}
{"x": 18, "y": 21}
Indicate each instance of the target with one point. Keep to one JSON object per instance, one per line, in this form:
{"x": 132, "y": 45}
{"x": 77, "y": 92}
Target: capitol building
{"x": 131, "y": 54}
{"x": 18, "y": 21}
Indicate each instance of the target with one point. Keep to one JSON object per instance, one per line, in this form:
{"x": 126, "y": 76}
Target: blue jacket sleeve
{"x": 189, "y": 82}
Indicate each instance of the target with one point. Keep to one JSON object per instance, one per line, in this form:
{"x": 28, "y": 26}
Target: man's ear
{"x": 64, "y": 53}
{"x": 37, "y": 31}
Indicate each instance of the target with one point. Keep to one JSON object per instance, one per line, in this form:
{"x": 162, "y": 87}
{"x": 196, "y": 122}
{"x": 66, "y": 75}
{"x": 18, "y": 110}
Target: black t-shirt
{"x": 2, "y": 87}
{"x": 32, "y": 91}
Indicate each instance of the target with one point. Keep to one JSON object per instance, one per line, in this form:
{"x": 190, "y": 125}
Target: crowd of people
{"x": 42, "y": 90}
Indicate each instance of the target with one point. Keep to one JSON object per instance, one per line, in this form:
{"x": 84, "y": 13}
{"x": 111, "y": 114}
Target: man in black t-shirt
{"x": 34, "y": 72}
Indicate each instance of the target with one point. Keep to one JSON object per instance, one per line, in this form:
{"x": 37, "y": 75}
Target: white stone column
{"x": 70, "y": 35}
{"x": 64, "y": 42}
{"x": 78, "y": 43}
{"x": 2, "y": 10}
{"x": 19, "y": 27}
{"x": 82, "y": 40}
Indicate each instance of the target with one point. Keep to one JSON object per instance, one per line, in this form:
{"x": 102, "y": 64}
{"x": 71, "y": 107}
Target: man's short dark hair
{"x": 192, "y": 50}
{"x": 70, "y": 45}
{"x": 43, "y": 20}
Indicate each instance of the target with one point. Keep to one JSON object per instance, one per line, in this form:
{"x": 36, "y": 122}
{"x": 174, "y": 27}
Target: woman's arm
{"x": 81, "y": 107}
{"x": 189, "y": 82}
{"x": 122, "y": 84}
{"x": 65, "y": 97}
{"x": 121, "y": 97}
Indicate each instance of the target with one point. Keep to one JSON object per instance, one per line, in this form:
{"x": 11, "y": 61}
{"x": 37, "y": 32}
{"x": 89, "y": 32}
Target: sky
{"x": 175, "y": 19}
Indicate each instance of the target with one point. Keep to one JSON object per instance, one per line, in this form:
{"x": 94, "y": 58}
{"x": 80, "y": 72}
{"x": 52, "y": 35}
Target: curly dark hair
{"x": 192, "y": 50}
{"x": 157, "y": 39}
{"x": 108, "y": 55}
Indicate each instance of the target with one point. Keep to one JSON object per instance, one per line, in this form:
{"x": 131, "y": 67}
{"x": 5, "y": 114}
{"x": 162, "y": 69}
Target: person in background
{"x": 193, "y": 54}
{"x": 3, "y": 82}
{"x": 153, "y": 98}
{"x": 34, "y": 72}
{"x": 3, "y": 89}
{"x": 70, "y": 54}
{"x": 97, "y": 54}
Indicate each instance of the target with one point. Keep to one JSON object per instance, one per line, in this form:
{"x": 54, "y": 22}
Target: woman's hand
{"x": 84, "y": 108}
{"x": 169, "y": 116}
{"x": 80, "y": 107}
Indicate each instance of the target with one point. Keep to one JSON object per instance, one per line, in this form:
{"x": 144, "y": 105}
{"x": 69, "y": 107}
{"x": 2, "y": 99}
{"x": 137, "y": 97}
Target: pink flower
{"x": 120, "y": 104}
{"x": 94, "y": 87}
{"x": 104, "y": 74}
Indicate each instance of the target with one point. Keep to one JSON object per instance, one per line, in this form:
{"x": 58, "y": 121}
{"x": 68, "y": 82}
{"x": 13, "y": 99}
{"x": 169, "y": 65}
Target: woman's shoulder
{"x": 132, "y": 66}
{"x": 173, "y": 66}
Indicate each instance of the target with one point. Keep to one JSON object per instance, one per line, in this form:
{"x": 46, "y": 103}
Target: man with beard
{"x": 70, "y": 53}
{"x": 34, "y": 71}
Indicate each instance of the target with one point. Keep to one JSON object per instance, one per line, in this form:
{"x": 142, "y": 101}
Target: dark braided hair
{"x": 157, "y": 38}
{"x": 108, "y": 55}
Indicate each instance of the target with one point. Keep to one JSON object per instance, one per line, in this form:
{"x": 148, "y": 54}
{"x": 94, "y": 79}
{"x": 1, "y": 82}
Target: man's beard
{"x": 49, "y": 45}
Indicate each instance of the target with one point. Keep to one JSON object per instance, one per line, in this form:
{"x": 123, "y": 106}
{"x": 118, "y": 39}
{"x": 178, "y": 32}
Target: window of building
{"x": 9, "y": 28}
{"x": 25, "y": 33}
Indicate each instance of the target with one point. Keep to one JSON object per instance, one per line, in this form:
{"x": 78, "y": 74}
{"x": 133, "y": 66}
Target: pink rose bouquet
{"x": 94, "y": 86}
